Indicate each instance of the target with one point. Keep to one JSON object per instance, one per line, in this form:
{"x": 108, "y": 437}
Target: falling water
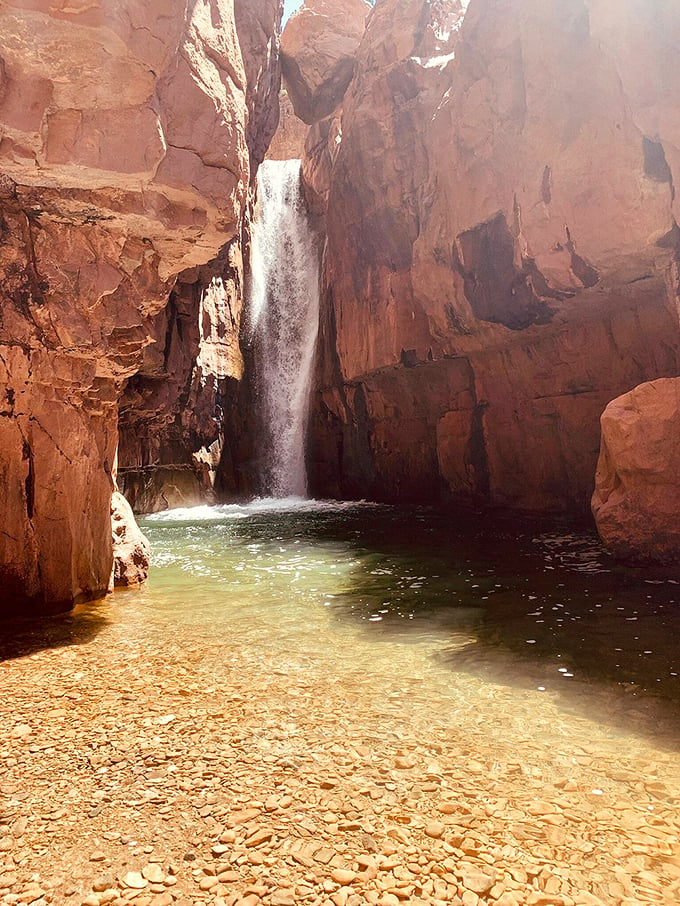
{"x": 284, "y": 316}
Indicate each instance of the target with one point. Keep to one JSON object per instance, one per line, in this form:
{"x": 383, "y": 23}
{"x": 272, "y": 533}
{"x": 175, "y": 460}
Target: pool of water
{"x": 450, "y": 603}
{"x": 508, "y": 665}
{"x": 492, "y": 597}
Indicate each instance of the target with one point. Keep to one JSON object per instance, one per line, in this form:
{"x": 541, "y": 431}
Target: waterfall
{"x": 283, "y": 323}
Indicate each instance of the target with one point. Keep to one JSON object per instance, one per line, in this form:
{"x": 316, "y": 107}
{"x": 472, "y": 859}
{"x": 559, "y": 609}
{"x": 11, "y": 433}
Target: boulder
{"x": 131, "y": 549}
{"x": 637, "y": 491}
{"x": 318, "y": 49}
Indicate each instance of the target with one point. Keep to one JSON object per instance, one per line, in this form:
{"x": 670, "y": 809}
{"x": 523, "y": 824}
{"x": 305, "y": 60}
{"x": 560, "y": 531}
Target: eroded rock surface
{"x": 131, "y": 549}
{"x": 501, "y": 235}
{"x": 123, "y": 162}
{"x": 637, "y": 494}
{"x": 258, "y": 23}
{"x": 289, "y": 139}
{"x": 171, "y": 423}
{"x": 318, "y": 50}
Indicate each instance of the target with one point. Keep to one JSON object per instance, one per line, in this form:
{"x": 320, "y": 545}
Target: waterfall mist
{"x": 283, "y": 324}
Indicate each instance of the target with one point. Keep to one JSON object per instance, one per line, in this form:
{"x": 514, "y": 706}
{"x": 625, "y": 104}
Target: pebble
{"x": 435, "y": 829}
{"x": 154, "y": 873}
{"x": 134, "y": 880}
{"x": 270, "y": 790}
{"x": 103, "y": 882}
{"x": 343, "y": 876}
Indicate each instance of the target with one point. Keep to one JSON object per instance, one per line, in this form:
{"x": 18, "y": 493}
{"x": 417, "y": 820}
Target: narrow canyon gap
{"x": 282, "y": 325}
{"x": 454, "y": 278}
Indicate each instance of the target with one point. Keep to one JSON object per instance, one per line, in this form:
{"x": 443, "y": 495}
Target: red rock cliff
{"x": 124, "y": 161}
{"x": 501, "y": 227}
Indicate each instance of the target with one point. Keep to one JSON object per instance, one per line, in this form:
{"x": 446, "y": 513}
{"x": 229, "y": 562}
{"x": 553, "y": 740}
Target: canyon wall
{"x": 124, "y": 162}
{"x": 501, "y": 237}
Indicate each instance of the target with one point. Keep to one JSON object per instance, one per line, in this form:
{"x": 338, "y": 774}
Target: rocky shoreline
{"x": 148, "y": 770}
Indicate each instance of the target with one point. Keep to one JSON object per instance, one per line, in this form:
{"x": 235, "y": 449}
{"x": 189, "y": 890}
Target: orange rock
{"x": 637, "y": 492}
{"x": 501, "y": 207}
{"x": 318, "y": 48}
{"x": 124, "y": 161}
{"x": 289, "y": 140}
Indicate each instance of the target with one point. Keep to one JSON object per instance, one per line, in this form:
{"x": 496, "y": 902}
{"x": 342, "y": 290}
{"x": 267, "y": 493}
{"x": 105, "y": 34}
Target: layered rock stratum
{"x": 126, "y": 137}
{"x": 501, "y": 242}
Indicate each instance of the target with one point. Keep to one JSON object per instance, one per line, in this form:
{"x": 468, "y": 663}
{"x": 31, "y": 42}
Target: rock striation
{"x": 124, "y": 162}
{"x": 501, "y": 236}
{"x": 637, "y": 493}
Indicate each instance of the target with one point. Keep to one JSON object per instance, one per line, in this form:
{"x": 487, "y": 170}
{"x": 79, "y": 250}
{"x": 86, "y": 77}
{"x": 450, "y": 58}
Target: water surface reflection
{"x": 504, "y": 600}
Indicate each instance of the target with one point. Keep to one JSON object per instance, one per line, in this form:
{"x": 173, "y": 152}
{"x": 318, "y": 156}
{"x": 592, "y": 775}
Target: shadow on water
{"x": 530, "y": 605}
{"x": 538, "y": 607}
{"x": 20, "y": 637}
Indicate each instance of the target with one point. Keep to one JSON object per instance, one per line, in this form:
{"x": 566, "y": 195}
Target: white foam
{"x": 257, "y": 507}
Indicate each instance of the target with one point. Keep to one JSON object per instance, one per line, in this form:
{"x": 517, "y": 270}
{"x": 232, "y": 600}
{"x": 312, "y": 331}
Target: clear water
{"x": 451, "y": 606}
{"x": 512, "y": 663}
{"x": 501, "y": 599}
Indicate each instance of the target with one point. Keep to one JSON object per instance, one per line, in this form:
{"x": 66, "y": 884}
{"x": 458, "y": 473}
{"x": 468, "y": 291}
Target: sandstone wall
{"x": 289, "y": 140}
{"x": 501, "y": 229}
{"x": 179, "y": 420}
{"x": 123, "y": 163}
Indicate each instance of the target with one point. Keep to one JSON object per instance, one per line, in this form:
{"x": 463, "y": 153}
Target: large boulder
{"x": 636, "y": 503}
{"x": 318, "y": 49}
{"x": 502, "y": 214}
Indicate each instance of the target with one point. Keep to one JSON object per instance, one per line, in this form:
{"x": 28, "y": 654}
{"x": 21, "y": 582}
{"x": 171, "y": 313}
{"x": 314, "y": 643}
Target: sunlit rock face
{"x": 123, "y": 162}
{"x": 637, "y": 493}
{"x": 131, "y": 549}
{"x": 289, "y": 140}
{"x": 318, "y": 50}
{"x": 258, "y": 25}
{"x": 180, "y": 423}
{"x": 501, "y": 228}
